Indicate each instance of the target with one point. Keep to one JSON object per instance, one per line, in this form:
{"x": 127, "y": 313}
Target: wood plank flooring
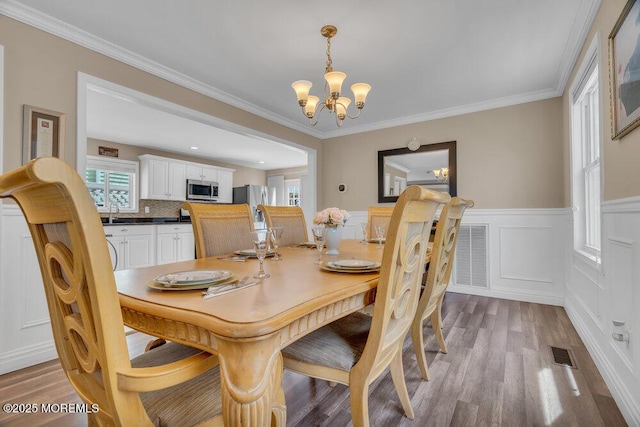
{"x": 499, "y": 371}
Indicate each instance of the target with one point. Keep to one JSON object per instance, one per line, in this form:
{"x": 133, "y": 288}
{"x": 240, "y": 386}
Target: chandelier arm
{"x": 353, "y": 117}
{"x": 315, "y": 115}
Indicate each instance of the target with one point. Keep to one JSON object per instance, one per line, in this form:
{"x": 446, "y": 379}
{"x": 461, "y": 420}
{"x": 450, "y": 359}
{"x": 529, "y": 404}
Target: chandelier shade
{"x": 334, "y": 101}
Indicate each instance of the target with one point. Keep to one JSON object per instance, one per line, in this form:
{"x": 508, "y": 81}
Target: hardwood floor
{"x": 499, "y": 371}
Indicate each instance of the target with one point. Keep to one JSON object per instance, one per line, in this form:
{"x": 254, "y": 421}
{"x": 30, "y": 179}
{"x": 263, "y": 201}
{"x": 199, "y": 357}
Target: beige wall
{"x": 41, "y": 70}
{"x": 620, "y": 158}
{"x": 508, "y": 157}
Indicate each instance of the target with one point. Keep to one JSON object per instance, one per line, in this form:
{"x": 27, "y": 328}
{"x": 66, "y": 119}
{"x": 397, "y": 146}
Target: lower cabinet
{"x": 131, "y": 246}
{"x": 174, "y": 243}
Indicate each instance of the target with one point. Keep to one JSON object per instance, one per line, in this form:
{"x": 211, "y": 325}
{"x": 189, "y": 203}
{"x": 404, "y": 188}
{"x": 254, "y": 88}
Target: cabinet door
{"x": 158, "y": 179}
{"x": 194, "y": 172}
{"x": 115, "y": 245}
{"x": 177, "y": 181}
{"x": 166, "y": 248}
{"x": 210, "y": 174}
{"x": 139, "y": 251}
{"x": 185, "y": 246}
{"x": 225, "y": 186}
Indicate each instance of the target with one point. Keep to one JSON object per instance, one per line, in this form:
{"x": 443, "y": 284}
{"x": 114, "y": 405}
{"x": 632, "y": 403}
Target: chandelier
{"x": 442, "y": 174}
{"x": 333, "y": 102}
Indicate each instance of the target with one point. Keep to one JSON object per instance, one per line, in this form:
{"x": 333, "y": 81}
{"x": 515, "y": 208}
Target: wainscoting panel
{"x": 25, "y": 330}
{"x": 598, "y": 295}
{"x": 522, "y": 251}
{"x": 525, "y": 255}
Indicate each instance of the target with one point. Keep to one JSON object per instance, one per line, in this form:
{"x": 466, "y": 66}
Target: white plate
{"x": 353, "y": 263}
{"x": 161, "y": 287}
{"x": 252, "y": 253}
{"x": 192, "y": 277}
{"x": 328, "y": 267}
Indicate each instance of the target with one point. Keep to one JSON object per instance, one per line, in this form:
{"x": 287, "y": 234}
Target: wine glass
{"x": 276, "y": 238}
{"x": 365, "y": 231}
{"x": 379, "y": 229}
{"x": 318, "y": 236}
{"x": 260, "y": 240}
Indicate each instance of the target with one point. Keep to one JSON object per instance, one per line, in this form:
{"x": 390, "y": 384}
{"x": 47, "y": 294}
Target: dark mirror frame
{"x": 451, "y": 146}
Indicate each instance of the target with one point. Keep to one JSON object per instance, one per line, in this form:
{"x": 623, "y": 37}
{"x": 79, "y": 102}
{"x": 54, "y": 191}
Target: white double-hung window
{"x": 112, "y": 182}
{"x": 585, "y": 159}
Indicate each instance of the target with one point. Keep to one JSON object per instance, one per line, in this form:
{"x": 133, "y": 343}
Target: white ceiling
{"x": 424, "y": 59}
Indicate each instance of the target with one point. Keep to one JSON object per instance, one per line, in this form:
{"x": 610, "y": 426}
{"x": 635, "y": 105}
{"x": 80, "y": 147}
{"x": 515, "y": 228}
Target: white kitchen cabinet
{"x": 131, "y": 246}
{"x": 225, "y": 186}
{"x": 174, "y": 243}
{"x": 162, "y": 179}
{"x": 201, "y": 172}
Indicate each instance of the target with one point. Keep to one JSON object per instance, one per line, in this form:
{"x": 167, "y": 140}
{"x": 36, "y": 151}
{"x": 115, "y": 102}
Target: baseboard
{"x": 27, "y": 356}
{"x": 625, "y": 401}
{"x": 516, "y": 295}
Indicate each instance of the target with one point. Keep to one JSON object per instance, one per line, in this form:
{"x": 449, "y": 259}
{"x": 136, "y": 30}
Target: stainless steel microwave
{"x": 202, "y": 190}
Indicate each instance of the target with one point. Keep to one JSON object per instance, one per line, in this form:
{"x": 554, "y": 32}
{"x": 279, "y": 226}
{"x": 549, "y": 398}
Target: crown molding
{"x": 447, "y": 112}
{"x": 576, "y": 42}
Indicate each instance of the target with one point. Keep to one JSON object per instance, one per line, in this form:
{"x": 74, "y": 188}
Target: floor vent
{"x": 562, "y": 356}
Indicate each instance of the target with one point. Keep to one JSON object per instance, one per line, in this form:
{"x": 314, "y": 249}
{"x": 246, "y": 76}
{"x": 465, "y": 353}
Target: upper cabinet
{"x": 162, "y": 179}
{"x": 166, "y": 179}
{"x": 202, "y": 172}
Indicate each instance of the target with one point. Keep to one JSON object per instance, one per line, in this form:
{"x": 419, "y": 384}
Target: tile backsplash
{"x": 157, "y": 209}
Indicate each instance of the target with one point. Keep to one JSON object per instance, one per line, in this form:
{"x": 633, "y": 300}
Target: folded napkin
{"x": 214, "y": 291}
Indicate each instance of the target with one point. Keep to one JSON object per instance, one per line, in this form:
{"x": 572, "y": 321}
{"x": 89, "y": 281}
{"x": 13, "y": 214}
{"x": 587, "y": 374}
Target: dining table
{"x": 249, "y": 326}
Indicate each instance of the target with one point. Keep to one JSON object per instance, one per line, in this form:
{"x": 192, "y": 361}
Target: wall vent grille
{"x": 470, "y": 267}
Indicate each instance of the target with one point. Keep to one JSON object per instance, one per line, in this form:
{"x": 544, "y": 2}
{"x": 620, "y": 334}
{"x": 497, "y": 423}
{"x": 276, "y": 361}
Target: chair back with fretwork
{"x": 358, "y": 348}
{"x": 377, "y": 215}
{"x": 85, "y": 312}
{"x": 438, "y": 276}
{"x": 291, "y": 219}
{"x": 220, "y": 229}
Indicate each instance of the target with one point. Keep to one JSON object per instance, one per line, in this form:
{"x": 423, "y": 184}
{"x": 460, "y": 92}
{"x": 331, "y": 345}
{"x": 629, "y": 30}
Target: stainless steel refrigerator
{"x": 255, "y": 195}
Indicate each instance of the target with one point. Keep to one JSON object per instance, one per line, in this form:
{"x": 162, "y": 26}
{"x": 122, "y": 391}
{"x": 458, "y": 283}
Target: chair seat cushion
{"x": 184, "y": 404}
{"x": 337, "y": 345}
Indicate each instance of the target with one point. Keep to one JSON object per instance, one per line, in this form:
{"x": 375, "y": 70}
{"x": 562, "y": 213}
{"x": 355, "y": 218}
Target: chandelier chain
{"x": 329, "y": 67}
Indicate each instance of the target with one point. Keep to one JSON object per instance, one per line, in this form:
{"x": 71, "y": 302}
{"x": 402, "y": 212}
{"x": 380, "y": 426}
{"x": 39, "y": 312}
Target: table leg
{"x": 251, "y": 377}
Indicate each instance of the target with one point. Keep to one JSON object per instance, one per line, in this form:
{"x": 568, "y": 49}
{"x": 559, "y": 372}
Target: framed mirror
{"x": 432, "y": 166}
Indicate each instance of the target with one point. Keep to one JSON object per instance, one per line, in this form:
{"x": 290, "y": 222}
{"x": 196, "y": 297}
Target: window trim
{"x": 118, "y": 165}
{"x": 579, "y": 161}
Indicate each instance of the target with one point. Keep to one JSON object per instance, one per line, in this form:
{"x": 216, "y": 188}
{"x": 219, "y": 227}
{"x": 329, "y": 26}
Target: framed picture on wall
{"x": 624, "y": 77}
{"x": 43, "y": 133}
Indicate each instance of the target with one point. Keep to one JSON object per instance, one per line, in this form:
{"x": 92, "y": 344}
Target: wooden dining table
{"x": 248, "y": 327}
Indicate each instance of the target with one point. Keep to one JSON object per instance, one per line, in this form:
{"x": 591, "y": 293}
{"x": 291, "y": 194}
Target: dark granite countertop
{"x": 144, "y": 221}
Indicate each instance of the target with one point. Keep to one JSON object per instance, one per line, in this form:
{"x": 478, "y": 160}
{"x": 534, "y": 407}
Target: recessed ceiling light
{"x": 193, "y": 148}
{"x": 261, "y": 162}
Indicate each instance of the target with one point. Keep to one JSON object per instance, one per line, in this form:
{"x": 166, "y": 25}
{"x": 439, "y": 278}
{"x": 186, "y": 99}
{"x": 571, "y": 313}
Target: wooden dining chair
{"x": 357, "y": 349}
{"x": 220, "y": 229}
{"x": 291, "y": 218}
{"x": 169, "y": 385}
{"x": 377, "y": 215}
{"x": 438, "y": 276}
